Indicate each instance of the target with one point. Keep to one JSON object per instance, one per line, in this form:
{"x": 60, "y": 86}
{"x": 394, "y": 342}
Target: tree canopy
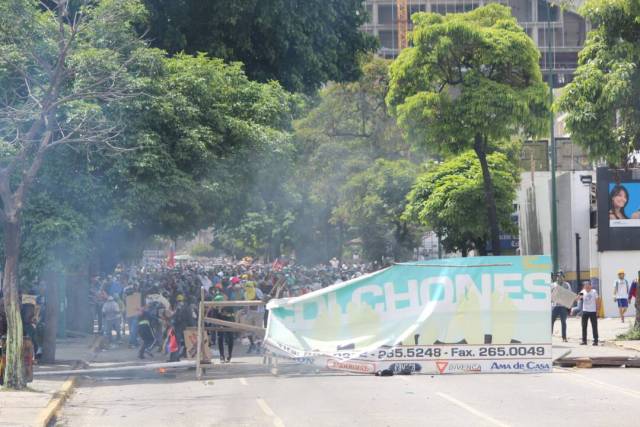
{"x": 300, "y": 43}
{"x": 105, "y": 142}
{"x": 602, "y": 101}
{"x": 339, "y": 142}
{"x": 470, "y": 81}
{"x": 449, "y": 195}
{"x": 60, "y": 73}
{"x": 372, "y": 203}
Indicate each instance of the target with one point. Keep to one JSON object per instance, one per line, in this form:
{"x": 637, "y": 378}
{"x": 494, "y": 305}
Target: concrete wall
{"x": 573, "y": 217}
{"x": 534, "y": 213}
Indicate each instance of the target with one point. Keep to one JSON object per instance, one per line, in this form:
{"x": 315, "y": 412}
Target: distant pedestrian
{"x": 589, "y": 297}
{"x": 621, "y": 294}
{"x": 633, "y": 294}
{"x": 558, "y": 310}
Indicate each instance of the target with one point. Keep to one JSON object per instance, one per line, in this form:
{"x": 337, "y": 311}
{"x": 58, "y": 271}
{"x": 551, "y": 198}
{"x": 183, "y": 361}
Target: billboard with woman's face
{"x": 624, "y": 204}
{"x": 618, "y": 209}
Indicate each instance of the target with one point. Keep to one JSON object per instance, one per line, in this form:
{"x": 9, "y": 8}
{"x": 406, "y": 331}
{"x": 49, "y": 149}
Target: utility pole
{"x": 553, "y": 149}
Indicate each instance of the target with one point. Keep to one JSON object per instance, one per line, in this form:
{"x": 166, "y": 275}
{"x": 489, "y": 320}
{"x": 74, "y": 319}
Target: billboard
{"x": 618, "y": 195}
{"x": 456, "y": 315}
{"x": 624, "y": 204}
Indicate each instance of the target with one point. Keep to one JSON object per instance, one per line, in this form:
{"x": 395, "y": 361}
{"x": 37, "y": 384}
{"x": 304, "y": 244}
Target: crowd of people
{"x": 155, "y": 304}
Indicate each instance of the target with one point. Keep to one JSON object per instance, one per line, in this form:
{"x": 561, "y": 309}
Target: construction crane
{"x": 403, "y": 24}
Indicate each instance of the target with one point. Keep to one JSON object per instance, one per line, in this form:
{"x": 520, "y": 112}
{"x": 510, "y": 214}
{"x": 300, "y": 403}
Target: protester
{"x": 146, "y": 334}
{"x": 27, "y": 312}
{"x": 182, "y": 319}
{"x": 224, "y": 337}
{"x": 131, "y": 321}
{"x": 170, "y": 297}
{"x": 589, "y": 297}
{"x": 97, "y": 297}
{"x": 621, "y": 294}
{"x": 558, "y": 310}
{"x": 253, "y": 316}
{"x": 173, "y": 345}
{"x": 111, "y": 318}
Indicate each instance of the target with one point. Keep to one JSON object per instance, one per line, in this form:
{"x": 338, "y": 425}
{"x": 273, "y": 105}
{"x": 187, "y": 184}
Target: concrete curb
{"x": 56, "y": 402}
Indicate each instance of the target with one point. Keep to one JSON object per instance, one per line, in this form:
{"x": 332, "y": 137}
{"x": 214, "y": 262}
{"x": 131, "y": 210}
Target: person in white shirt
{"x": 558, "y": 310}
{"x": 589, "y": 298}
{"x": 621, "y": 294}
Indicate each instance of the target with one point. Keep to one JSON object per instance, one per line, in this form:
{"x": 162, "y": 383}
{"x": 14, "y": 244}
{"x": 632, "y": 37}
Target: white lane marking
{"x": 472, "y": 410}
{"x": 242, "y": 381}
{"x": 403, "y": 377}
{"x": 265, "y": 408}
{"x": 602, "y": 384}
{"x": 277, "y": 422}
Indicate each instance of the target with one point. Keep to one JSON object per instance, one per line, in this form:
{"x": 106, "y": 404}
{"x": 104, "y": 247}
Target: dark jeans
{"x": 586, "y": 316}
{"x": 561, "y": 312}
{"x": 147, "y": 340}
{"x": 222, "y": 338}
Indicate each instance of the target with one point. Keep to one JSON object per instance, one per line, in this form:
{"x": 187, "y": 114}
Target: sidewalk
{"x": 25, "y": 408}
{"x": 608, "y": 329}
{"x": 33, "y": 406}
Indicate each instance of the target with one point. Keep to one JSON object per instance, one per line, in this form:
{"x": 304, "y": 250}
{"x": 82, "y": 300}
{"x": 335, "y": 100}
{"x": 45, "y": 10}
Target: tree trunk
{"x": 480, "y": 247}
{"x": 13, "y": 374}
{"x": 51, "y": 318}
{"x": 480, "y": 148}
{"x": 340, "y": 248}
{"x": 82, "y": 314}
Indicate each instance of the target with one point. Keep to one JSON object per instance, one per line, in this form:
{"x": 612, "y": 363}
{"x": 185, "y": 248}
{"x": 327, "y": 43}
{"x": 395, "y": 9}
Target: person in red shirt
{"x": 633, "y": 293}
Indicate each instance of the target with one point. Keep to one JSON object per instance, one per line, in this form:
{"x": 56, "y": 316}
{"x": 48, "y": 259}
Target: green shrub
{"x": 633, "y": 334}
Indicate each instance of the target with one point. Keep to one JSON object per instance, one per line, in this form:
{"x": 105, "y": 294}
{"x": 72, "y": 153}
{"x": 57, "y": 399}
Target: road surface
{"x": 245, "y": 394}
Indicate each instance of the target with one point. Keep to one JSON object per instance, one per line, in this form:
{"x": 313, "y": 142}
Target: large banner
{"x": 485, "y": 314}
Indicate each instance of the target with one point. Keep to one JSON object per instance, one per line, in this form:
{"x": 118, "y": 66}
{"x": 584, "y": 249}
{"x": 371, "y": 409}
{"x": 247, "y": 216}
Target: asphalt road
{"x": 245, "y": 394}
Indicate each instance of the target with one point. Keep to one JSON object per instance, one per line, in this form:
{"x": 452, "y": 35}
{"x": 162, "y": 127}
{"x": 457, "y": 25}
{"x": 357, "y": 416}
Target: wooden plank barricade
{"x": 221, "y": 325}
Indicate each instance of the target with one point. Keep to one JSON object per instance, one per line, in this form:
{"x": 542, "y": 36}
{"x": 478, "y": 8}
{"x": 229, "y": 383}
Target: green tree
{"x": 57, "y": 72}
{"x": 199, "y": 133}
{"x": 265, "y": 209}
{"x": 470, "y": 80}
{"x": 372, "y": 203}
{"x": 603, "y": 114}
{"x": 345, "y": 131}
{"x": 448, "y": 196}
{"x": 300, "y": 43}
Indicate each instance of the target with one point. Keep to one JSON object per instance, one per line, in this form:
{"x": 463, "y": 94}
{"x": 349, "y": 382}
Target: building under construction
{"x": 544, "y": 23}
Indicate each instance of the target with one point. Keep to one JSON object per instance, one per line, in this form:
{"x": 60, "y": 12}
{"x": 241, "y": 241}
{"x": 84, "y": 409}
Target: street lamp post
{"x": 553, "y": 148}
